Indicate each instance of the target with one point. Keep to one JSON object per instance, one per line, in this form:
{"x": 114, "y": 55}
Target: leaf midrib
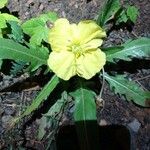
{"x": 127, "y": 49}
{"x": 24, "y": 53}
{"x": 84, "y": 117}
{"x": 123, "y": 86}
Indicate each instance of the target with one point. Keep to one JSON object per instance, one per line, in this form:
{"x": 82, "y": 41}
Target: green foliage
{"x": 127, "y": 13}
{"x": 129, "y": 88}
{"x": 38, "y": 29}
{"x": 35, "y": 54}
{"x": 3, "y": 3}
{"x": 17, "y": 67}
{"x": 42, "y": 96}
{"x": 109, "y": 10}
{"x": 4, "y": 18}
{"x": 22, "y": 53}
{"x": 121, "y": 17}
{"x": 132, "y": 13}
{"x": 139, "y": 48}
{"x": 85, "y": 117}
{"x": 84, "y": 101}
{"x": 114, "y": 11}
{"x": 16, "y": 31}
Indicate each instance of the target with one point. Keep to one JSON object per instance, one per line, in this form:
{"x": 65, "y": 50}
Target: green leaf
{"x": 4, "y": 17}
{"x": 132, "y": 13}
{"x": 37, "y": 28}
{"x": 17, "y": 32}
{"x": 17, "y": 67}
{"x": 108, "y": 12}
{"x": 52, "y": 117}
{"x": 42, "y": 96}
{"x": 130, "y": 89}
{"x": 139, "y": 48}
{"x": 3, "y": 3}
{"x": 85, "y": 118}
{"x": 121, "y": 17}
{"x": 85, "y": 107}
{"x": 12, "y": 50}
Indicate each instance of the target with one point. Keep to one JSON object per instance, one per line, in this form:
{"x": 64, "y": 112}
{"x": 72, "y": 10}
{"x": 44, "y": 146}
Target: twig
{"x": 138, "y": 79}
{"x": 142, "y": 85}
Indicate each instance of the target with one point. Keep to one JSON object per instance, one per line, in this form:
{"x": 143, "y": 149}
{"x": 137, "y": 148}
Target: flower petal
{"x": 93, "y": 44}
{"x": 60, "y": 35}
{"x": 90, "y": 30}
{"x": 63, "y": 64}
{"x": 90, "y": 63}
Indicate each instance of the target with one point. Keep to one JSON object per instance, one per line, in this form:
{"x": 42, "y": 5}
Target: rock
{"x": 135, "y": 125}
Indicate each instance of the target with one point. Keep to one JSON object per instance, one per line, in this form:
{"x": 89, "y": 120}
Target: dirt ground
{"x": 116, "y": 110}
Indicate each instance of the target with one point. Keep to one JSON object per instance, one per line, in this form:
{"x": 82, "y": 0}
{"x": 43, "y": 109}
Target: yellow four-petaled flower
{"x": 75, "y": 49}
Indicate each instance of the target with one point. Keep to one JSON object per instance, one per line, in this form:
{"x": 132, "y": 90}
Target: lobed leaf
{"x": 37, "y": 28}
{"x": 139, "y": 48}
{"x": 4, "y": 17}
{"x": 16, "y": 31}
{"x": 130, "y": 89}
{"x": 17, "y": 67}
{"x": 132, "y": 13}
{"x": 12, "y": 50}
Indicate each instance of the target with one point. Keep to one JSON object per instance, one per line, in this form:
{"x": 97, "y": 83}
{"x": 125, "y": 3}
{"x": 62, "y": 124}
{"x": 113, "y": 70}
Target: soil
{"x": 116, "y": 110}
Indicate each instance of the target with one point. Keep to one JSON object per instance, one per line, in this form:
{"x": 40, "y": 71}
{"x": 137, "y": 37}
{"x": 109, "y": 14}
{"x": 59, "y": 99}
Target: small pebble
{"x": 41, "y": 7}
{"x": 103, "y": 122}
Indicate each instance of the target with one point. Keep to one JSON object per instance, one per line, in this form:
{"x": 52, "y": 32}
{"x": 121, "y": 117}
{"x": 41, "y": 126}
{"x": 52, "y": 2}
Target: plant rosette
{"x": 68, "y": 50}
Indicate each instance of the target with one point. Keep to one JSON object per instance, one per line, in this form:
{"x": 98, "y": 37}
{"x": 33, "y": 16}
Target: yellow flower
{"x": 75, "y": 49}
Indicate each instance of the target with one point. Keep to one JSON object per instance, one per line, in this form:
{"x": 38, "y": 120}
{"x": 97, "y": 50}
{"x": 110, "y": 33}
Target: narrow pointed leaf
{"x": 130, "y": 89}
{"x": 139, "y": 48}
{"x": 108, "y": 11}
{"x": 42, "y": 96}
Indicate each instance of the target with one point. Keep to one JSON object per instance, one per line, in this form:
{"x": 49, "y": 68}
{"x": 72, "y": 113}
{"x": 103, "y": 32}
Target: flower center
{"x": 76, "y": 49}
